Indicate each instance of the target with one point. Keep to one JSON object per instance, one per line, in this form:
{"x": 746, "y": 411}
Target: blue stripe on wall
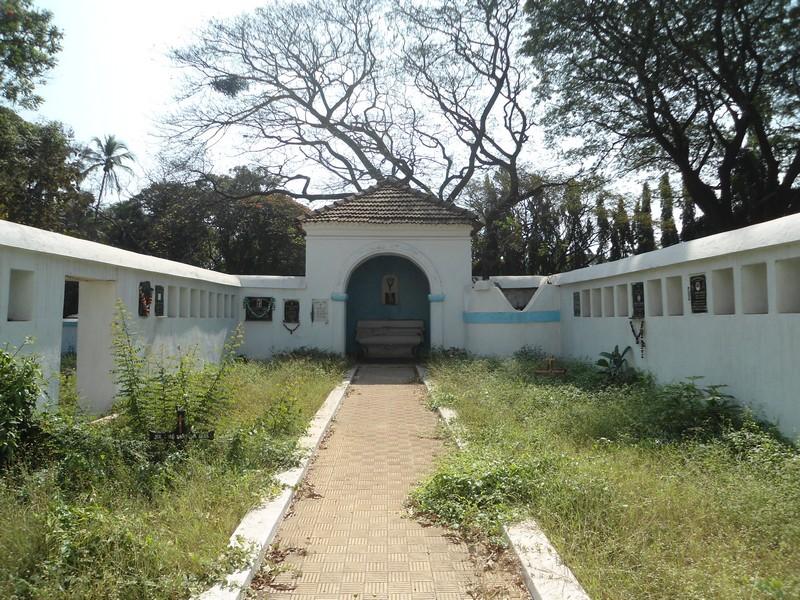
{"x": 533, "y": 316}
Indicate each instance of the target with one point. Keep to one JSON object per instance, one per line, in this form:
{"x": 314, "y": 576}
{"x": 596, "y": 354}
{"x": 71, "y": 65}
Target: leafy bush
{"x": 19, "y": 390}
{"x": 476, "y": 491}
{"x": 676, "y": 481}
{"x": 152, "y": 388}
{"x": 614, "y": 364}
{"x": 98, "y": 511}
{"x": 686, "y": 409}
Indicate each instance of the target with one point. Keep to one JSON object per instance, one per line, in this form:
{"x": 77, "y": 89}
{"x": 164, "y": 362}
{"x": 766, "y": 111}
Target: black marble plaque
{"x": 698, "y": 296}
{"x": 291, "y": 311}
{"x": 637, "y": 294}
{"x": 159, "y": 301}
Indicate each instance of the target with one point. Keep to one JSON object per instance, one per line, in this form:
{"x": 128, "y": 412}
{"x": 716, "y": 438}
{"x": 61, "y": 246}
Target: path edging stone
{"x": 258, "y": 527}
{"x": 546, "y": 576}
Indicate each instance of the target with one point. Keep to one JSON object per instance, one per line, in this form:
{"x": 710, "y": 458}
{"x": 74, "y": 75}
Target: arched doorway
{"x": 386, "y": 287}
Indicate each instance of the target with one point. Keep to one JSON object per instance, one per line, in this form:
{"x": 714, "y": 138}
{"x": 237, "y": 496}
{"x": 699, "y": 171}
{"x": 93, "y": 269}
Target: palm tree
{"x": 109, "y": 154}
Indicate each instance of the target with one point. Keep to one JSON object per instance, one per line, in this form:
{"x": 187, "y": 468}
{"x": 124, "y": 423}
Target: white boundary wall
{"x": 33, "y": 267}
{"x": 748, "y": 340}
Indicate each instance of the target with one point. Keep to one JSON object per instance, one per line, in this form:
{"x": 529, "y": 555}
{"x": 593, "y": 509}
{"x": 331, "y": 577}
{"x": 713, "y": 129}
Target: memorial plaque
{"x": 319, "y": 311}
{"x": 258, "y": 308}
{"x": 698, "y": 297}
{"x": 637, "y": 293}
{"x": 291, "y": 311}
{"x": 576, "y": 304}
{"x": 159, "y": 302}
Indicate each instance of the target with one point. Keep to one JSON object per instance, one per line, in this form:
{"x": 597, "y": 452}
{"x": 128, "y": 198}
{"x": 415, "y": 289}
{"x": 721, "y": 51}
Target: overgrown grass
{"x": 97, "y": 511}
{"x": 647, "y": 491}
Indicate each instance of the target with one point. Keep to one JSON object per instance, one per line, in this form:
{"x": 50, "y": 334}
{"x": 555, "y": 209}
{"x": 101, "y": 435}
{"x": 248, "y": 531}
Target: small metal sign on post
{"x": 182, "y": 431}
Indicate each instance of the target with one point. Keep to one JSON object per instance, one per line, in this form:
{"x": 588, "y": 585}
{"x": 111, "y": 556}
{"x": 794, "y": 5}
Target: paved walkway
{"x": 348, "y": 535}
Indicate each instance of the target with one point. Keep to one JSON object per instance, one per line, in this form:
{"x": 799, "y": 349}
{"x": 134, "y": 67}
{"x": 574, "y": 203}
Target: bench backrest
{"x": 391, "y": 324}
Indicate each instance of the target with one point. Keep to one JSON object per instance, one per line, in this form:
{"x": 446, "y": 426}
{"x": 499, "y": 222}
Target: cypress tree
{"x": 603, "y": 229}
{"x": 687, "y": 216}
{"x": 643, "y": 223}
{"x": 621, "y": 232}
{"x": 669, "y": 233}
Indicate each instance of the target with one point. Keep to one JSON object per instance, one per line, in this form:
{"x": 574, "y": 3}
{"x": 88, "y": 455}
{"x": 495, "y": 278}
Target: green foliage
{"x": 19, "y": 391}
{"x": 39, "y": 175}
{"x": 226, "y": 223}
{"x": 625, "y": 478}
{"x": 614, "y": 364}
{"x": 643, "y": 223}
{"x": 98, "y": 511}
{"x": 687, "y": 409}
{"x": 478, "y": 491}
{"x": 645, "y": 84}
{"x": 151, "y": 389}
{"x": 621, "y": 236}
{"x": 28, "y": 45}
{"x": 669, "y": 233}
{"x": 108, "y": 156}
{"x": 553, "y": 232}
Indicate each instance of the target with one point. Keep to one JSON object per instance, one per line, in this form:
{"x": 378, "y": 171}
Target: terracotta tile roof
{"x": 391, "y": 202}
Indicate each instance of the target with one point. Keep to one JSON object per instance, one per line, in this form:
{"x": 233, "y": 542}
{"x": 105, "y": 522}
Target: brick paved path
{"x": 348, "y": 536}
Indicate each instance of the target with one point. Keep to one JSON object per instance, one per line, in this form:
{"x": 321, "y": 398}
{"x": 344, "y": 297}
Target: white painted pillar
{"x": 95, "y": 359}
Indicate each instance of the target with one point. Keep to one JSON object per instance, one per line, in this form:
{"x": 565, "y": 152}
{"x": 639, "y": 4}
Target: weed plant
{"x": 647, "y": 491}
{"x": 99, "y": 511}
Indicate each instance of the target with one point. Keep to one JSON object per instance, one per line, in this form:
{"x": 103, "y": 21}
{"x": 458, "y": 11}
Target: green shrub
{"x": 676, "y": 482}
{"x": 19, "y": 391}
{"x": 614, "y": 365}
{"x": 477, "y": 491}
{"x": 152, "y": 388}
{"x": 686, "y": 409}
{"x": 99, "y": 511}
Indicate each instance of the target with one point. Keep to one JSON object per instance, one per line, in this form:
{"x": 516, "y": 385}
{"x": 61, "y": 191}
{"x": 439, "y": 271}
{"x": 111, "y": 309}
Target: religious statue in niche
{"x": 258, "y": 308}
{"x": 145, "y": 298}
{"x": 389, "y": 290}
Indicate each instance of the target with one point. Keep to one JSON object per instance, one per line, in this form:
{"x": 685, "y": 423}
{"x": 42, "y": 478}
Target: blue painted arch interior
{"x": 364, "y": 301}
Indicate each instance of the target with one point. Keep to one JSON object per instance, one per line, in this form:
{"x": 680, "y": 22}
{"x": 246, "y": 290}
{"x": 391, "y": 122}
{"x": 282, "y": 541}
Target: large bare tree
{"x": 310, "y": 90}
{"x": 332, "y": 95}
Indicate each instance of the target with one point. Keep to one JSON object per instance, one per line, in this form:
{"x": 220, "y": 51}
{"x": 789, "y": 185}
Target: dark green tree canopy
{"x": 710, "y": 89}
{"x": 39, "y": 174}
{"x": 224, "y": 223}
{"x": 28, "y": 45}
{"x": 669, "y": 233}
{"x": 643, "y": 222}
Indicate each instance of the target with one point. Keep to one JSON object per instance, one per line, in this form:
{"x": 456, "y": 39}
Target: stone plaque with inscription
{"x": 637, "y": 294}
{"x": 698, "y": 296}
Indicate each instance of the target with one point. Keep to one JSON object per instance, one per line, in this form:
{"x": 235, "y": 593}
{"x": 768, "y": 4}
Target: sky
{"x": 114, "y": 75}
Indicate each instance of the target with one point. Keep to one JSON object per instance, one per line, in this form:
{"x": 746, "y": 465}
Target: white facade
{"x": 33, "y": 267}
{"x": 749, "y": 339}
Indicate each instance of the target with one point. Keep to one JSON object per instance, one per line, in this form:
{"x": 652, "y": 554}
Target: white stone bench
{"x": 390, "y": 338}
